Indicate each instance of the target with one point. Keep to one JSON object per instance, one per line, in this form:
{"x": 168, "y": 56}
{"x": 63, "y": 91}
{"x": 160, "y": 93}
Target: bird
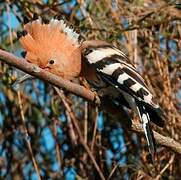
{"x": 112, "y": 74}
{"x": 56, "y": 47}
{"x": 52, "y": 45}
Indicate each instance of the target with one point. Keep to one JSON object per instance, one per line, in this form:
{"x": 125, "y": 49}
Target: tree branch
{"x": 44, "y": 75}
{"x": 57, "y": 81}
{"x": 160, "y": 139}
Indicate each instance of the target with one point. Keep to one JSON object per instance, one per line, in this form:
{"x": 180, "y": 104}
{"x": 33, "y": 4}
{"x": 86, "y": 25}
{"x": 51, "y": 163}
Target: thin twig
{"x": 74, "y": 121}
{"x": 85, "y": 127}
{"x": 27, "y": 137}
{"x": 166, "y": 166}
{"x": 85, "y": 13}
{"x": 58, "y": 151}
{"x": 113, "y": 170}
{"x": 95, "y": 129}
{"x": 85, "y": 121}
{"x": 71, "y": 129}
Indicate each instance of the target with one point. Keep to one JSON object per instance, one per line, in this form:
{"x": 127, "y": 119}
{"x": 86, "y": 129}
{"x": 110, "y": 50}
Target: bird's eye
{"x": 51, "y": 61}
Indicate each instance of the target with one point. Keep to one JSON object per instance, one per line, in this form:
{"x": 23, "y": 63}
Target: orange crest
{"x": 53, "y": 46}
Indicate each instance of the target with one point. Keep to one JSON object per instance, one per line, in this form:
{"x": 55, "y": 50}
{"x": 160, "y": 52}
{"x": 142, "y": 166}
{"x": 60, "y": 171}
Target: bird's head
{"x": 53, "y": 46}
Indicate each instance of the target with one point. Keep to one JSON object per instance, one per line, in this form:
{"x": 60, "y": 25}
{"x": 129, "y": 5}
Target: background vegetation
{"x": 38, "y": 133}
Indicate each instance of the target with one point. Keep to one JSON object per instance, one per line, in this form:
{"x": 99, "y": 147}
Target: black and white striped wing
{"x": 114, "y": 67}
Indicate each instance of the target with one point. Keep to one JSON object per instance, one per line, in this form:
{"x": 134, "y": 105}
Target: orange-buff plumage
{"x": 53, "y": 46}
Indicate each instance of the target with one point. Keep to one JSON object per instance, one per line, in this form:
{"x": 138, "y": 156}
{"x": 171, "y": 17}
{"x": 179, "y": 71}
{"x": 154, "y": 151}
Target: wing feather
{"x": 114, "y": 65}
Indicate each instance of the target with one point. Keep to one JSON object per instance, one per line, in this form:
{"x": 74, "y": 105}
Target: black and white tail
{"x": 114, "y": 68}
{"x": 144, "y": 116}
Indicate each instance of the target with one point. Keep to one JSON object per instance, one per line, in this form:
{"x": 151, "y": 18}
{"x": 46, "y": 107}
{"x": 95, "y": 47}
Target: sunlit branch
{"x": 76, "y": 89}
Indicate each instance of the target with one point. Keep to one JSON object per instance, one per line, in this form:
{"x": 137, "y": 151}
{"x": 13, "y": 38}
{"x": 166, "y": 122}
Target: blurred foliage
{"x": 150, "y": 32}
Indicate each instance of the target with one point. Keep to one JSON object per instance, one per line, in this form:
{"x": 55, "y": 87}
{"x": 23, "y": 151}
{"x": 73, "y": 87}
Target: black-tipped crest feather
{"x": 35, "y": 16}
{"x": 25, "y": 20}
{"x": 21, "y": 33}
{"x": 45, "y": 20}
{"x": 60, "y": 17}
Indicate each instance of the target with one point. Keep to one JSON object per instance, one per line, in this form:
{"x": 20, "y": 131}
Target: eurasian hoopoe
{"x": 56, "y": 47}
{"x": 52, "y": 45}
